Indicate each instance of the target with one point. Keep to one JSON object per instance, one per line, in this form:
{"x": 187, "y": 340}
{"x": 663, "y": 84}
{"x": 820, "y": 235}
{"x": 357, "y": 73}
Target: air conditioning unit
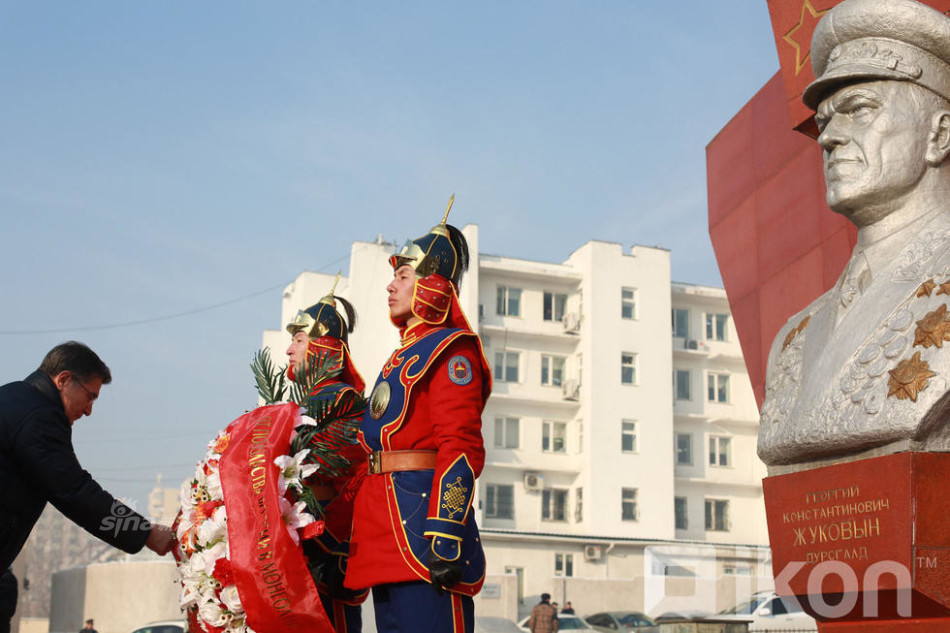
{"x": 571, "y": 390}
{"x": 691, "y": 343}
{"x": 533, "y": 481}
{"x": 593, "y": 552}
{"x": 572, "y": 323}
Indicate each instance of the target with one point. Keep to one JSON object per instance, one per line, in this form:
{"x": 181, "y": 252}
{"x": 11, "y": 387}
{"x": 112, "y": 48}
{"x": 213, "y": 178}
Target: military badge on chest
{"x": 379, "y": 400}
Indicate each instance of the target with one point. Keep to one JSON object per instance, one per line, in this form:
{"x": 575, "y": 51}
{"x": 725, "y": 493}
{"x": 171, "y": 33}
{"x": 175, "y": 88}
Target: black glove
{"x": 443, "y": 573}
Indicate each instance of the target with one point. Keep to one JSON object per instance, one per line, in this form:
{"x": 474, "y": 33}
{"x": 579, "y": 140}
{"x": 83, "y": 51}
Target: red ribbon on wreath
{"x": 270, "y": 570}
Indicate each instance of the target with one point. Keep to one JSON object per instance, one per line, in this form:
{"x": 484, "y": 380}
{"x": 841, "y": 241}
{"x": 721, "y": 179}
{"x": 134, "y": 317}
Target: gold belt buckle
{"x": 373, "y": 463}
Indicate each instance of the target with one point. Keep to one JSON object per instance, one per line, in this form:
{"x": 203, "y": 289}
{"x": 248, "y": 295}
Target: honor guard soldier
{"x": 415, "y": 541}
{"x": 319, "y": 345}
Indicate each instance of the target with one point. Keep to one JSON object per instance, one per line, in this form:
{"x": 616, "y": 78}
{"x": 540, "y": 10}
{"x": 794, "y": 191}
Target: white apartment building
{"x": 621, "y": 470}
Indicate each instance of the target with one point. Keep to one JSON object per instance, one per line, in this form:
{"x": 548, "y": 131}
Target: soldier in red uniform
{"x": 415, "y": 541}
{"x": 319, "y": 332}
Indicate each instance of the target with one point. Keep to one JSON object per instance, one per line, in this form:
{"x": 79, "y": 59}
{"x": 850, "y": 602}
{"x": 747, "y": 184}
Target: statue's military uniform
{"x": 855, "y": 370}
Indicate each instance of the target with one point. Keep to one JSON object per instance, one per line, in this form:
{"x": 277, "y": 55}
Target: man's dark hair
{"x": 75, "y": 357}
{"x": 545, "y": 597}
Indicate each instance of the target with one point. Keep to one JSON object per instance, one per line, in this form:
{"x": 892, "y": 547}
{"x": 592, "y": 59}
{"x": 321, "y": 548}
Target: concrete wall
{"x": 34, "y": 625}
{"x": 119, "y": 596}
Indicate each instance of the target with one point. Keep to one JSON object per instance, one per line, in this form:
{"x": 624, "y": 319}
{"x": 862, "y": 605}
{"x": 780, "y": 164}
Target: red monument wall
{"x": 777, "y": 243}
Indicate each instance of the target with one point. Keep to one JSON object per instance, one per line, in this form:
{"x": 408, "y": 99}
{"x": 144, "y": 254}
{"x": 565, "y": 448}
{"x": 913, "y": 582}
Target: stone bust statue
{"x": 865, "y": 369}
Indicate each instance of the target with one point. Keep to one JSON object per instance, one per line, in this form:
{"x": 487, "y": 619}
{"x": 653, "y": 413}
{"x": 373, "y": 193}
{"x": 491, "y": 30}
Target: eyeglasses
{"x": 92, "y": 396}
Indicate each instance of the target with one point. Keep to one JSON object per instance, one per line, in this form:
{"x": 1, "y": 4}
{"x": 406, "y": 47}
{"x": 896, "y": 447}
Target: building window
{"x": 628, "y": 504}
{"x": 628, "y": 368}
{"x": 716, "y": 327}
{"x": 554, "y": 306}
{"x": 564, "y": 565}
{"x": 499, "y": 502}
{"x": 578, "y": 505}
{"x": 628, "y": 303}
{"x": 507, "y": 432}
{"x": 717, "y": 388}
{"x": 509, "y": 301}
{"x": 684, "y": 449}
{"x": 720, "y": 450}
{"x": 681, "y": 384}
{"x": 552, "y": 370}
{"x": 717, "y": 515}
{"x": 628, "y": 436}
{"x": 681, "y": 322}
{"x": 737, "y": 570}
{"x": 553, "y": 504}
{"x": 553, "y": 437}
{"x": 679, "y": 504}
{"x": 506, "y": 366}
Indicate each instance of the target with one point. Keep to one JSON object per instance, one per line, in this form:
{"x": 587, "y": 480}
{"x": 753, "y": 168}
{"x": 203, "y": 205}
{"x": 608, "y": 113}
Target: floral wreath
{"x": 209, "y": 593}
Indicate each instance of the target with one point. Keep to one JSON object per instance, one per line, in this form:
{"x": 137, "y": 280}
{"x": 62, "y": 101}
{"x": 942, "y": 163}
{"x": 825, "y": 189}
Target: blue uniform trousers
{"x": 346, "y": 618}
{"x": 413, "y": 607}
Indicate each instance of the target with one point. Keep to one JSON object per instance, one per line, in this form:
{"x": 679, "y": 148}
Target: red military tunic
{"x": 440, "y": 382}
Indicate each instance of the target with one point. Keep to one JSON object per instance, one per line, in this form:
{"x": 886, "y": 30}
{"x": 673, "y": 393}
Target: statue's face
{"x": 874, "y": 138}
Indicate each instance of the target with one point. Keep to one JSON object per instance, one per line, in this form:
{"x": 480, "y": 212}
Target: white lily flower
{"x": 295, "y": 516}
{"x": 211, "y": 531}
{"x": 292, "y": 470}
{"x": 212, "y": 613}
{"x": 212, "y": 554}
{"x": 184, "y": 525}
{"x": 214, "y": 485}
{"x": 232, "y": 600}
{"x": 189, "y": 593}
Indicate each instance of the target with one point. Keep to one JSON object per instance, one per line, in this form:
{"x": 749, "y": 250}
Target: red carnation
{"x": 222, "y": 572}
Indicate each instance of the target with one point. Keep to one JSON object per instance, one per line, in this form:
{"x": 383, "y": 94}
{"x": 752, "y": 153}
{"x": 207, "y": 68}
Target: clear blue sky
{"x": 160, "y": 157}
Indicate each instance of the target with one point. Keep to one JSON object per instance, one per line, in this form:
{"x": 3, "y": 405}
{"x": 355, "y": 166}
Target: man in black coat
{"x": 38, "y": 463}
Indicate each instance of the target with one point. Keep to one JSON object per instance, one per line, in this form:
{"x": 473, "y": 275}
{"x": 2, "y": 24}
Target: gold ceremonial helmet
{"x": 322, "y": 318}
{"x": 433, "y": 253}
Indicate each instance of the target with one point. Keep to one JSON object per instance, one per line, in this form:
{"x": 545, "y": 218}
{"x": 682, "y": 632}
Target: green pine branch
{"x": 319, "y": 367}
{"x": 271, "y": 383}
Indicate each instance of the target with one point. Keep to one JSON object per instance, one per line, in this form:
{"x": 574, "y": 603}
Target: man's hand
{"x": 443, "y": 573}
{"x": 161, "y": 539}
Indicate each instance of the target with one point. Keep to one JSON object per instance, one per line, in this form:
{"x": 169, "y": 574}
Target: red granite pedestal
{"x": 865, "y": 545}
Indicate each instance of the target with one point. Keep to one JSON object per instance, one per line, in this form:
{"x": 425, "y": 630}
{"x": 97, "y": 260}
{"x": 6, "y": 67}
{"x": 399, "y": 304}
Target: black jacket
{"x": 38, "y": 465}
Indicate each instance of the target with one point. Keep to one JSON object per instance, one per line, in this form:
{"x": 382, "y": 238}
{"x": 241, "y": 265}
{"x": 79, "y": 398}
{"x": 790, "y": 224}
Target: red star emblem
{"x": 799, "y": 36}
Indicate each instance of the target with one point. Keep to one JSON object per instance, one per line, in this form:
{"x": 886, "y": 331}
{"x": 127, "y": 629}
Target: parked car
{"x": 565, "y": 622}
{"x": 681, "y": 615}
{"x": 766, "y": 611}
{"x": 626, "y": 621}
{"x": 164, "y": 626}
{"x": 492, "y": 624}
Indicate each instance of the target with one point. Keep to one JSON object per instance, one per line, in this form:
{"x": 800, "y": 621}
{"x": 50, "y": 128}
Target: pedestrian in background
{"x": 543, "y": 616}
